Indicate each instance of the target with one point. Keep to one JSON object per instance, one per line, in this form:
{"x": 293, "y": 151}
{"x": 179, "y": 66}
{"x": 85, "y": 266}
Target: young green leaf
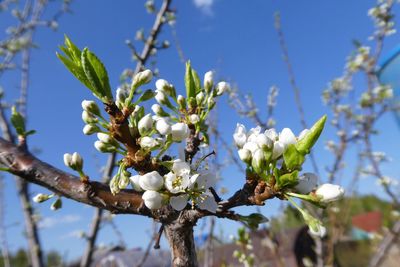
{"x": 18, "y": 121}
{"x": 189, "y": 82}
{"x": 196, "y": 81}
{"x": 305, "y": 144}
{"x": 293, "y": 158}
{"x": 90, "y": 72}
{"x": 102, "y": 74}
{"x": 75, "y": 69}
{"x": 74, "y": 51}
{"x": 287, "y": 180}
{"x": 148, "y": 94}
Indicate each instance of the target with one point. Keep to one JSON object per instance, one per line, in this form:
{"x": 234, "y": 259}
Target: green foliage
{"x": 88, "y": 69}
{"x": 307, "y": 142}
{"x": 192, "y": 81}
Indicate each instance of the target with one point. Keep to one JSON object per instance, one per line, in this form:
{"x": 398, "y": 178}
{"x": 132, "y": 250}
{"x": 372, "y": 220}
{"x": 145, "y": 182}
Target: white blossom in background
{"x": 240, "y": 135}
{"x": 222, "y": 87}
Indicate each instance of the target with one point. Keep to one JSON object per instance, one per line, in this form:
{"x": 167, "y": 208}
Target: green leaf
{"x": 196, "y": 82}
{"x": 96, "y": 86}
{"x": 73, "y": 50}
{"x": 102, "y": 74}
{"x": 18, "y": 121}
{"x": 76, "y": 70}
{"x": 189, "y": 82}
{"x": 293, "y": 158}
{"x": 287, "y": 180}
{"x": 148, "y": 94}
{"x": 305, "y": 144}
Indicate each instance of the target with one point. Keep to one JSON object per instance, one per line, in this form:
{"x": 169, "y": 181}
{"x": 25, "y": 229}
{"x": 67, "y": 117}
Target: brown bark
{"x": 181, "y": 241}
{"x": 23, "y": 164}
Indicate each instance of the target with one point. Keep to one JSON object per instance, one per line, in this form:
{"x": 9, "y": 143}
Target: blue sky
{"x": 235, "y": 38}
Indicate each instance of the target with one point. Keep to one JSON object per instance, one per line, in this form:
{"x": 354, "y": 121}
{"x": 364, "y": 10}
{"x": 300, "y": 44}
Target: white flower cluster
{"x": 177, "y": 187}
{"x": 253, "y": 144}
{"x": 382, "y": 16}
{"x": 361, "y": 60}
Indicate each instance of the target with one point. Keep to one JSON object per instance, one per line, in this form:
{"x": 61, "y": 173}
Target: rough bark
{"x": 23, "y": 164}
{"x": 181, "y": 241}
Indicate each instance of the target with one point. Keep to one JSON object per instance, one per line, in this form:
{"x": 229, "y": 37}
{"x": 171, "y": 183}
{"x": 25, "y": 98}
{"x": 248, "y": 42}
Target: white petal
{"x": 151, "y": 181}
{"x": 271, "y": 134}
{"x": 179, "y": 202}
{"x": 303, "y": 133}
{"x": 180, "y": 167}
{"x": 208, "y": 203}
{"x": 252, "y": 146}
{"x": 278, "y": 150}
{"x": 135, "y": 183}
{"x": 307, "y": 182}
{"x": 287, "y": 137}
{"x": 152, "y": 199}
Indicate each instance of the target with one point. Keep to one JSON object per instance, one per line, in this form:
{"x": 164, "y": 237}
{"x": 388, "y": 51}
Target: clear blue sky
{"x": 235, "y": 38}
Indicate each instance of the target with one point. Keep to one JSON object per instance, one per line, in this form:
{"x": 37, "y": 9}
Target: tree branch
{"x": 23, "y": 164}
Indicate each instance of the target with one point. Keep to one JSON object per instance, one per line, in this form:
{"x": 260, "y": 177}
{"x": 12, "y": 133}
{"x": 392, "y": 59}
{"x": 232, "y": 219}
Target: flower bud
{"x": 199, "y": 98}
{"x": 263, "y": 141}
{"x": 39, "y": 198}
{"x": 181, "y": 102}
{"x": 142, "y": 77}
{"x": 210, "y": 103}
{"x": 90, "y": 129}
{"x": 152, "y": 199}
{"x": 68, "y": 160}
{"x": 161, "y": 98}
{"x": 271, "y": 134}
{"x": 77, "y": 161}
{"x": 258, "y": 161}
{"x": 329, "y": 192}
{"x": 194, "y": 118}
{"x": 88, "y": 118}
{"x": 277, "y": 150}
{"x": 91, "y": 107}
{"x": 222, "y": 87}
{"x": 158, "y": 110}
{"x": 239, "y": 135}
{"x": 107, "y": 139}
{"x": 148, "y": 143}
{"x": 135, "y": 183}
{"x": 245, "y": 155}
{"x": 145, "y": 125}
{"x": 208, "y": 81}
{"x": 165, "y": 86}
{"x": 120, "y": 96}
{"x": 151, "y": 181}
{"x": 180, "y": 131}
{"x": 286, "y": 137}
{"x": 252, "y": 146}
{"x": 163, "y": 127}
{"x": 104, "y": 147}
{"x": 56, "y": 204}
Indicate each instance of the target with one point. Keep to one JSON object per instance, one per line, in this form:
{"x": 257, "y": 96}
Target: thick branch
{"x": 23, "y": 164}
